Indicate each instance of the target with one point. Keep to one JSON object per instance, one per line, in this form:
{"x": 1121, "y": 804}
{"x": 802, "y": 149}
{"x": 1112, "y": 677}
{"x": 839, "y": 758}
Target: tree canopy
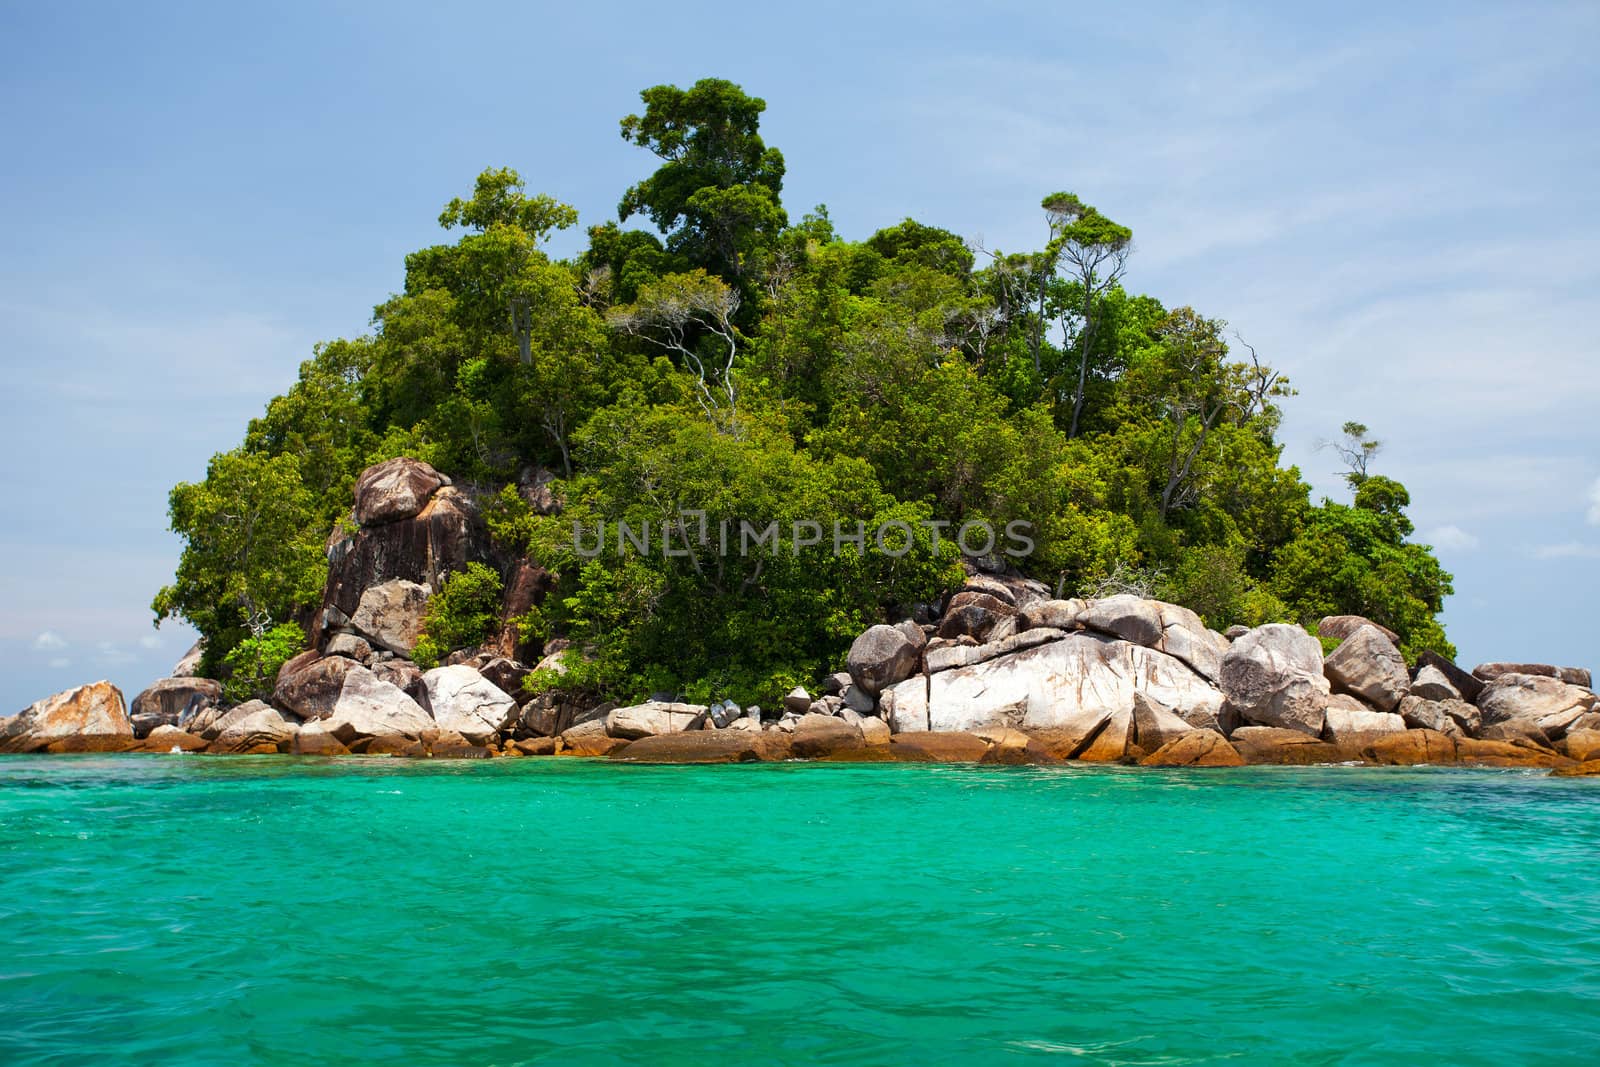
{"x": 732, "y": 365}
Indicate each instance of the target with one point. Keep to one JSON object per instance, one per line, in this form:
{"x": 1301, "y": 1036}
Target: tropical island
{"x": 986, "y": 505}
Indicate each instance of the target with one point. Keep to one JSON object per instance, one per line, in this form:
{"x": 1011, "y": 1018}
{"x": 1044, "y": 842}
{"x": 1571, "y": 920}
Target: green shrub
{"x": 252, "y": 665}
{"x": 462, "y": 614}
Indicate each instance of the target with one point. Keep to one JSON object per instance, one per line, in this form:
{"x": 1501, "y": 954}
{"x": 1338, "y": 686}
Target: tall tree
{"x": 716, "y": 193}
{"x": 497, "y": 272}
{"x": 1096, "y": 251}
{"x": 1358, "y": 448}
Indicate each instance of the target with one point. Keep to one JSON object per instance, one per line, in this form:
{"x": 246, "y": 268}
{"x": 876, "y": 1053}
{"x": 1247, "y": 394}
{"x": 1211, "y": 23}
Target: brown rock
{"x": 382, "y": 745}
{"x": 1410, "y": 748}
{"x": 1368, "y": 665}
{"x": 1465, "y": 684}
{"x": 1582, "y": 770}
{"x": 536, "y": 746}
{"x": 1114, "y": 741}
{"x": 1507, "y": 754}
{"x": 349, "y": 646}
{"x": 312, "y": 691}
{"x": 526, "y": 589}
{"x": 445, "y": 536}
{"x": 881, "y": 657}
{"x": 1583, "y": 745}
{"x": 1518, "y": 731}
{"x": 166, "y": 738}
{"x": 395, "y": 489}
{"x": 589, "y": 739}
{"x": 973, "y": 615}
{"x": 1340, "y": 627}
{"x": 166, "y": 701}
{"x": 874, "y": 731}
{"x": 295, "y": 664}
{"x": 1155, "y": 724}
{"x": 313, "y": 740}
{"x": 824, "y": 736}
{"x": 98, "y": 743}
{"x": 1064, "y": 742}
{"x": 89, "y": 711}
{"x": 506, "y": 675}
{"x": 700, "y": 746}
{"x": 937, "y": 747}
{"x": 1266, "y": 744}
{"x": 1197, "y": 748}
{"x": 460, "y": 752}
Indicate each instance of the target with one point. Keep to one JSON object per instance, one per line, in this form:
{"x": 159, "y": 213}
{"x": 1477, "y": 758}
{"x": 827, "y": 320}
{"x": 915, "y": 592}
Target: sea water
{"x": 244, "y": 910}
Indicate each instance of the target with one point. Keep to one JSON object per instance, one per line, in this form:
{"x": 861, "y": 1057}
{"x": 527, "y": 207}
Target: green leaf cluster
{"x": 251, "y": 667}
{"x": 463, "y": 613}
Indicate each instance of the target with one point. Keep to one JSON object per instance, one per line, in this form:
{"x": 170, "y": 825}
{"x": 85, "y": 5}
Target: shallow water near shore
{"x": 192, "y": 910}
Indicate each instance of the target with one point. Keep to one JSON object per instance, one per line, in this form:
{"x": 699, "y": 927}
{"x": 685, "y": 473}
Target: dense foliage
{"x": 252, "y": 665}
{"x": 463, "y": 614}
{"x": 734, "y": 364}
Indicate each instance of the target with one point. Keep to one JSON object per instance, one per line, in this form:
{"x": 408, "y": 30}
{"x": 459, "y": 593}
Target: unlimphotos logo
{"x": 692, "y": 533}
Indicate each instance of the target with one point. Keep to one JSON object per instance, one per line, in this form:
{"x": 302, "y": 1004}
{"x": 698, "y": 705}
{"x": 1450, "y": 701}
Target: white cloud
{"x": 151, "y": 641}
{"x": 1594, "y": 503}
{"x": 1567, "y": 550}
{"x": 59, "y": 662}
{"x": 49, "y": 641}
{"x": 106, "y": 652}
{"x": 1452, "y": 536}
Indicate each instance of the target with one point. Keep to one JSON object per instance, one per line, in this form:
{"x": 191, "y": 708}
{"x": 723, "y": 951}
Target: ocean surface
{"x": 262, "y": 910}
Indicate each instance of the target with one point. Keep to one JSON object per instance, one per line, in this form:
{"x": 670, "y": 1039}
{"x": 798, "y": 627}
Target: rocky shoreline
{"x": 996, "y": 673}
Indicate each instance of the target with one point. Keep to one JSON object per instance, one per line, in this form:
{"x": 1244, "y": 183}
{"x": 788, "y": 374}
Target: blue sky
{"x": 1396, "y": 204}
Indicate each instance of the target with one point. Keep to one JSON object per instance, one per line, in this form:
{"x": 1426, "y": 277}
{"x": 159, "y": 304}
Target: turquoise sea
{"x": 193, "y": 910}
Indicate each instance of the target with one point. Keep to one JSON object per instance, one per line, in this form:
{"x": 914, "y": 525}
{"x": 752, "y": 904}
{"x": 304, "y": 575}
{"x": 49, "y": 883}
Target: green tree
{"x": 716, "y": 193}
{"x": 462, "y": 614}
{"x": 252, "y": 666}
{"x": 252, "y": 552}
{"x": 1095, "y": 250}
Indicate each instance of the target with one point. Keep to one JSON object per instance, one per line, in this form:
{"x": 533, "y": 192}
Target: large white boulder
{"x": 370, "y": 707}
{"x": 1350, "y": 725}
{"x": 651, "y": 718}
{"x": 255, "y": 727}
{"x": 390, "y": 614}
{"x": 1368, "y": 665}
{"x": 1529, "y": 696}
{"x": 1053, "y": 686}
{"x": 461, "y": 699}
{"x": 1273, "y": 676}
